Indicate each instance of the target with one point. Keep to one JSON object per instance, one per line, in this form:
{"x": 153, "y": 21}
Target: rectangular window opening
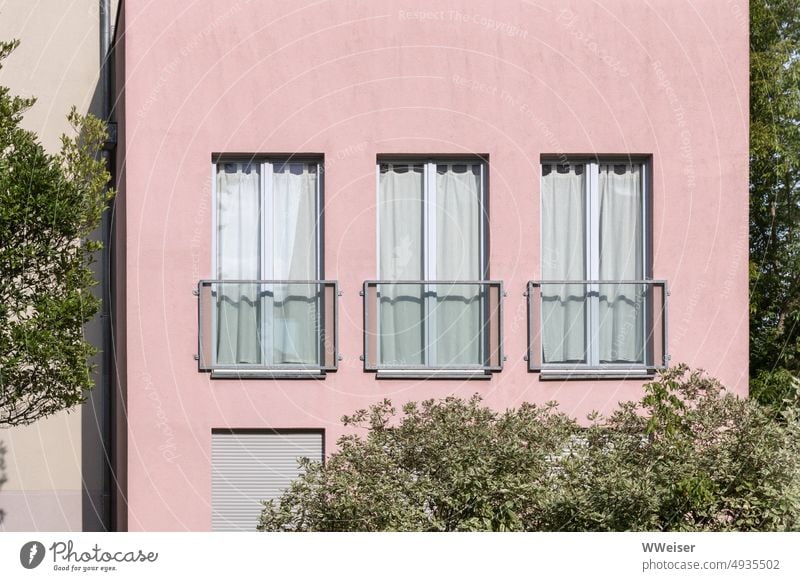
{"x": 267, "y": 308}
{"x": 597, "y": 306}
{"x": 435, "y": 308}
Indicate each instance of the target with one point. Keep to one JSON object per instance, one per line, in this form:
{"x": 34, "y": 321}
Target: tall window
{"x": 594, "y": 232}
{"x": 267, "y": 223}
{"x": 431, "y": 236}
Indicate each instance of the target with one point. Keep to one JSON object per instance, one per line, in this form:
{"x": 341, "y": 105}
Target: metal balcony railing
{"x": 433, "y": 326}
{"x": 597, "y": 325}
{"x": 286, "y": 326}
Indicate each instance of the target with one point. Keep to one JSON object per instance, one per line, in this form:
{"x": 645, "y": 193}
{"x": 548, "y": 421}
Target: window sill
{"x": 594, "y": 374}
{"x": 268, "y": 374}
{"x": 480, "y": 374}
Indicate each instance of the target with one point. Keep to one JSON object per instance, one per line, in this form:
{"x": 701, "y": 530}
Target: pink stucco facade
{"x": 352, "y": 81}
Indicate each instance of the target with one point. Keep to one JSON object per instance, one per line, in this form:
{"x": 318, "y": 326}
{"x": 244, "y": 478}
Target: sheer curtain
{"x": 401, "y": 338}
{"x": 458, "y": 239}
{"x": 267, "y": 324}
{"x": 295, "y": 307}
{"x": 564, "y": 307}
{"x": 620, "y": 333}
{"x": 238, "y": 257}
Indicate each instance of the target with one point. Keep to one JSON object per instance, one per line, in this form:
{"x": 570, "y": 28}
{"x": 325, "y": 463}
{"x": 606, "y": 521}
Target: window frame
{"x": 265, "y": 163}
{"x": 429, "y": 251}
{"x": 428, "y": 215}
{"x": 593, "y": 367}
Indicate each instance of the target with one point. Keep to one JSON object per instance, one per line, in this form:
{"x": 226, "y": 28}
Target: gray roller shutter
{"x": 251, "y": 466}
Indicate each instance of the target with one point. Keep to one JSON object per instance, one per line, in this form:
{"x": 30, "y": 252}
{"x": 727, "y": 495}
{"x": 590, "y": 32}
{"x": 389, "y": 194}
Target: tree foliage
{"x": 687, "y": 457}
{"x": 774, "y": 198}
{"x": 49, "y": 206}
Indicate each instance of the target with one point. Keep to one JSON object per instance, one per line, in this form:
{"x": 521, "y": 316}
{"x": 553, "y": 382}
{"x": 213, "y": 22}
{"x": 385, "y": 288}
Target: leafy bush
{"x": 687, "y": 457}
{"x": 777, "y": 388}
{"x": 49, "y": 207}
{"x": 774, "y": 200}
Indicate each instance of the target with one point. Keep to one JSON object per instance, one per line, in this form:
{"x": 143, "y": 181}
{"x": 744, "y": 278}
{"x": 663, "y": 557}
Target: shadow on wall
{"x": 2, "y": 476}
{"x": 96, "y": 477}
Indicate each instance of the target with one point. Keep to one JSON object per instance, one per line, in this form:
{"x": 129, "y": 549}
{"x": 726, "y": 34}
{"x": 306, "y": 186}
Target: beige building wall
{"x": 48, "y": 485}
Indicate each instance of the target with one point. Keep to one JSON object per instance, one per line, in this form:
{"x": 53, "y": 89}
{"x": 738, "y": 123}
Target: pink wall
{"x": 354, "y": 80}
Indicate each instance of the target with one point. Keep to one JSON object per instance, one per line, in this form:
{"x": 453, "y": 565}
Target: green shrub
{"x": 50, "y": 206}
{"x": 687, "y": 457}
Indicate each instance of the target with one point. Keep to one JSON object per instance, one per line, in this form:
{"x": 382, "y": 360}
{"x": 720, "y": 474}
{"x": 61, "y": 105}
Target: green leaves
{"x": 774, "y": 197}
{"x": 687, "y": 456}
{"x": 446, "y": 465}
{"x": 49, "y": 207}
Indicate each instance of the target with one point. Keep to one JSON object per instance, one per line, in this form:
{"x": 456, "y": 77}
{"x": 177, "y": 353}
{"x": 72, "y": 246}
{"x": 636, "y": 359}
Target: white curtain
{"x": 267, "y": 324}
{"x": 564, "y": 258}
{"x": 238, "y": 257}
{"x": 458, "y": 321}
{"x": 401, "y": 309}
{"x": 295, "y": 307}
{"x": 620, "y": 332}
